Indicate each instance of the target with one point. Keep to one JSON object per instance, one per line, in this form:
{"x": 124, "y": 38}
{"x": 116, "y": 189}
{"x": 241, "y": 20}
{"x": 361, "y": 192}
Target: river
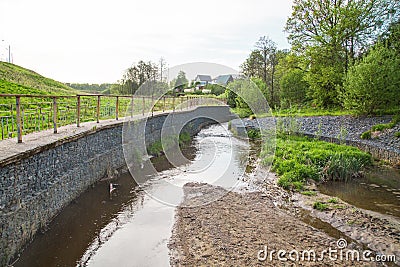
{"x": 134, "y": 228}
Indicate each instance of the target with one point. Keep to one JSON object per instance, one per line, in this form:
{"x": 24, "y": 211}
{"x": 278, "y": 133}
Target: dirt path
{"x": 236, "y": 229}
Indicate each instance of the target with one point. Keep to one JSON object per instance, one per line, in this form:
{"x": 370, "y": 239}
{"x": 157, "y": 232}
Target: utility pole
{"x": 162, "y": 67}
{"x": 9, "y": 53}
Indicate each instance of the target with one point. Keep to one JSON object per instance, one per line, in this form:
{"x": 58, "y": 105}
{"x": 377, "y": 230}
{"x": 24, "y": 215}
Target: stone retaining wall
{"x": 37, "y": 185}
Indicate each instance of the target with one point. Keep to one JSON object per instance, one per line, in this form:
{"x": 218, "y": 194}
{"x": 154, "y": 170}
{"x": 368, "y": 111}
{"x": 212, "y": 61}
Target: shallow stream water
{"x": 378, "y": 190}
{"x": 133, "y": 228}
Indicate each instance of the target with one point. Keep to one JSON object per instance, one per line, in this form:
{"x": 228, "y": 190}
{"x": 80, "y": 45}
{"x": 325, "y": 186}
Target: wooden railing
{"x": 22, "y": 114}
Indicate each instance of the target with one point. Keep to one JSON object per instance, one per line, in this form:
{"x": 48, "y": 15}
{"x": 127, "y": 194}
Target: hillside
{"x": 18, "y": 80}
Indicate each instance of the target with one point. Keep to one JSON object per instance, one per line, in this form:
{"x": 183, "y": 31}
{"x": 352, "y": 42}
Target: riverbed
{"x": 135, "y": 227}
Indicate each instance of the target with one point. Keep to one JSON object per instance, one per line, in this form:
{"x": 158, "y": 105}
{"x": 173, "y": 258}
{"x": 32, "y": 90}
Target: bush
{"x": 397, "y": 134}
{"x": 216, "y": 89}
{"x": 373, "y": 83}
{"x": 366, "y": 135}
{"x": 293, "y": 88}
{"x": 254, "y": 134}
{"x": 242, "y": 112}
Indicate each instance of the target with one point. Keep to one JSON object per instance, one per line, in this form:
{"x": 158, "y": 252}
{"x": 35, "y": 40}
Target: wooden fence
{"x": 22, "y": 114}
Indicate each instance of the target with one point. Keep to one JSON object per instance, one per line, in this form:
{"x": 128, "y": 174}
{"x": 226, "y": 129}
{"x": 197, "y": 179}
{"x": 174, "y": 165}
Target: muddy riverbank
{"x": 239, "y": 229}
{"x": 235, "y": 229}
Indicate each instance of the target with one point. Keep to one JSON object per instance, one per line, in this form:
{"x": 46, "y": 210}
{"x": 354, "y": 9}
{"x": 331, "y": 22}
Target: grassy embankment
{"x": 301, "y": 159}
{"x": 18, "y": 80}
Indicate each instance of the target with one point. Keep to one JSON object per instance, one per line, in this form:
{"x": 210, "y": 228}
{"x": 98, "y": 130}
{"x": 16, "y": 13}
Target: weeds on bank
{"x": 320, "y": 206}
{"x": 299, "y": 159}
{"x": 309, "y": 193}
{"x": 158, "y": 148}
{"x": 381, "y": 127}
{"x": 333, "y": 200}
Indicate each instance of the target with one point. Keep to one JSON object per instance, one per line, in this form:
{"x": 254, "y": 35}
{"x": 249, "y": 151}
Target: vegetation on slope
{"x": 18, "y": 80}
{"x": 299, "y": 159}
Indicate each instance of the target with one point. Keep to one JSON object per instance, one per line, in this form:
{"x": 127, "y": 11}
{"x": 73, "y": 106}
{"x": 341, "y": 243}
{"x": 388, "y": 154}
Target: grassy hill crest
{"x": 15, "y": 79}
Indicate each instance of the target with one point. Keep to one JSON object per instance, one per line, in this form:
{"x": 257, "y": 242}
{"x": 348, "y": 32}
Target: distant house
{"x": 223, "y": 80}
{"x": 202, "y": 80}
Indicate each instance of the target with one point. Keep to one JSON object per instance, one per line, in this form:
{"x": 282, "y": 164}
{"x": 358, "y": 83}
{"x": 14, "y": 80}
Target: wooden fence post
{"x": 55, "y": 114}
{"x": 78, "y": 111}
{"x": 143, "y": 106}
{"x": 116, "y": 108}
{"x": 132, "y": 106}
{"x": 98, "y": 109}
{"x": 163, "y": 110}
{"x": 19, "y": 124}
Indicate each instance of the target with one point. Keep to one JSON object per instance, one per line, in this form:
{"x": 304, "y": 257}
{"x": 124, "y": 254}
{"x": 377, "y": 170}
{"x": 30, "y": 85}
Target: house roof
{"x": 204, "y": 78}
{"x": 223, "y": 79}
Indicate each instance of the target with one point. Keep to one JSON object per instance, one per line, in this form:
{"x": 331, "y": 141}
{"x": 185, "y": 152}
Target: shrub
{"x": 184, "y": 138}
{"x": 397, "y": 134}
{"x": 293, "y": 88}
{"x": 372, "y": 84}
{"x": 242, "y": 112}
{"x": 366, "y": 135}
{"x": 254, "y": 134}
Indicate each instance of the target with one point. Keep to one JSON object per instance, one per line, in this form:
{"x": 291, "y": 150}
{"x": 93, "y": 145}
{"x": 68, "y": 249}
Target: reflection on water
{"x": 378, "y": 191}
{"x": 133, "y": 229}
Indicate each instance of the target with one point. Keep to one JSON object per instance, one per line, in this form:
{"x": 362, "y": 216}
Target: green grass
{"x": 309, "y": 193}
{"x": 311, "y": 111}
{"x": 381, "y": 127}
{"x": 333, "y": 200}
{"x": 298, "y": 159}
{"x": 158, "y": 147}
{"x": 18, "y": 80}
{"x": 397, "y": 134}
{"x": 320, "y": 206}
{"x": 242, "y": 112}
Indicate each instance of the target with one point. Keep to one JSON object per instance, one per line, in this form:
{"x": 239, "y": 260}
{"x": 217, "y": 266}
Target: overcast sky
{"x": 94, "y": 41}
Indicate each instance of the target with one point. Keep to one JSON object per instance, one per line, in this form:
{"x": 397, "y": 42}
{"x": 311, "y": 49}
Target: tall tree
{"x": 137, "y": 75}
{"x": 253, "y": 65}
{"x": 268, "y": 51}
{"x": 181, "y": 80}
{"x": 331, "y": 33}
{"x": 262, "y": 63}
{"x": 350, "y": 24}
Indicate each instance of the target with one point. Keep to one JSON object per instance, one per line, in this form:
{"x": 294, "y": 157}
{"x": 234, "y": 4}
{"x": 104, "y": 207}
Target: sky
{"x": 95, "y": 41}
